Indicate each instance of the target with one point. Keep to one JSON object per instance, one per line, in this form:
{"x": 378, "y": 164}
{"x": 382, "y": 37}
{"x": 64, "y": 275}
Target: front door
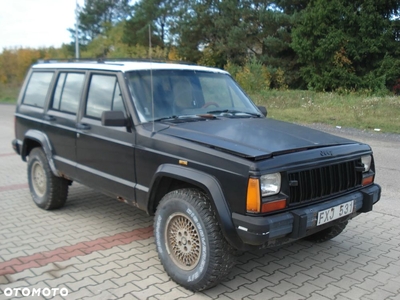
{"x": 105, "y": 155}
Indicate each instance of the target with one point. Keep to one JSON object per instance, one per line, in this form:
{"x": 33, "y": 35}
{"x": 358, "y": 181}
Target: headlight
{"x": 366, "y": 160}
{"x": 270, "y": 184}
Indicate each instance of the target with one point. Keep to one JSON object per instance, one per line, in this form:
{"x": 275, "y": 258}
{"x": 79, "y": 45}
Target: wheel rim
{"x": 38, "y": 179}
{"x": 183, "y": 241}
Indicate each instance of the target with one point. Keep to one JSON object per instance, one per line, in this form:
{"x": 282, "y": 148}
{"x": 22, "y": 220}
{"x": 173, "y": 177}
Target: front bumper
{"x": 16, "y": 146}
{"x": 298, "y": 223}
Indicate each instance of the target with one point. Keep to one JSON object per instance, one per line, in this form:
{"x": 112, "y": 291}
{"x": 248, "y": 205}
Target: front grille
{"x": 314, "y": 184}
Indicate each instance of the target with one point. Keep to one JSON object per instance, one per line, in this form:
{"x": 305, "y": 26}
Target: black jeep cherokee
{"x": 186, "y": 144}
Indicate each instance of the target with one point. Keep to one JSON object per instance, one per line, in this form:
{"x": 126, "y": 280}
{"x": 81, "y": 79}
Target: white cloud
{"x": 36, "y": 23}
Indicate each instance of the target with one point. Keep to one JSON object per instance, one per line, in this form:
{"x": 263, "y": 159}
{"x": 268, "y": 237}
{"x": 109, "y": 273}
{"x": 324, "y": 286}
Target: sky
{"x": 36, "y": 23}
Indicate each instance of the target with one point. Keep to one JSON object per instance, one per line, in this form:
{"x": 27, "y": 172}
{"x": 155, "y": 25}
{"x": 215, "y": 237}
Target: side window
{"x": 57, "y": 93}
{"x": 68, "y": 92}
{"x": 37, "y": 88}
{"x": 104, "y": 94}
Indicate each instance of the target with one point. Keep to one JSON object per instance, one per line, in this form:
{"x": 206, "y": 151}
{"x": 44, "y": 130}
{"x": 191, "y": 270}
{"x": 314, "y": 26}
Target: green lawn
{"x": 9, "y": 93}
{"x": 350, "y": 110}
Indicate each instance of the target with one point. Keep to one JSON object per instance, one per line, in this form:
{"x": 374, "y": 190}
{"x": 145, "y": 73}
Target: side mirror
{"x": 263, "y": 110}
{"x": 113, "y": 118}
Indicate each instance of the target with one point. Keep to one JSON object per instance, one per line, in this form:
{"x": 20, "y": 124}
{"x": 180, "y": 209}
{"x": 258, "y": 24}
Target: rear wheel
{"x": 328, "y": 233}
{"x": 48, "y": 191}
{"x": 189, "y": 240}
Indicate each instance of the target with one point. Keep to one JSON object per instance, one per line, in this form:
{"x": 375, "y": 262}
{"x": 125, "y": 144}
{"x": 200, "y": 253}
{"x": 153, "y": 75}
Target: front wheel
{"x": 48, "y": 191}
{"x": 189, "y": 240}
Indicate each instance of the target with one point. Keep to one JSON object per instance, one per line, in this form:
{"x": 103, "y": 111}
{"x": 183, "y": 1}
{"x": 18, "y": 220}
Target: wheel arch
{"x": 169, "y": 177}
{"x": 34, "y": 138}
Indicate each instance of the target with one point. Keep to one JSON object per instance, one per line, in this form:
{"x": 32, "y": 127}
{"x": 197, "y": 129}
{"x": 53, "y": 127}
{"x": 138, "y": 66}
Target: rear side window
{"x": 37, "y": 89}
{"x": 104, "y": 95}
{"x": 68, "y": 92}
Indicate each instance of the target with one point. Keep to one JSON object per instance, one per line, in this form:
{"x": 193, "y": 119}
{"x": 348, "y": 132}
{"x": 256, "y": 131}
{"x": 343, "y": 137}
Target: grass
{"x": 9, "y": 93}
{"x": 349, "y": 110}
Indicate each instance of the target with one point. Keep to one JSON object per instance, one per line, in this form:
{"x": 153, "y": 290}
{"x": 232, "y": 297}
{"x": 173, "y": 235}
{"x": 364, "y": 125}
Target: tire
{"x": 327, "y": 234}
{"x": 190, "y": 244}
{"x": 48, "y": 191}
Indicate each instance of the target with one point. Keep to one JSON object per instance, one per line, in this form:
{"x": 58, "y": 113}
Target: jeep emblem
{"x": 326, "y": 153}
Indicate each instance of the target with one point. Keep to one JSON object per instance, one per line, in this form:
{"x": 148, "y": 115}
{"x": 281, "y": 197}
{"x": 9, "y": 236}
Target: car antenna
{"x": 151, "y": 78}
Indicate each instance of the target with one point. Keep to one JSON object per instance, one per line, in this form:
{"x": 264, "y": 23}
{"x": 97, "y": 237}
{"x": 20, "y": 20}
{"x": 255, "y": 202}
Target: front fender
{"x": 208, "y": 184}
{"x": 43, "y": 140}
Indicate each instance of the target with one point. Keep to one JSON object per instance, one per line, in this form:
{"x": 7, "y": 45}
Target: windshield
{"x": 178, "y": 93}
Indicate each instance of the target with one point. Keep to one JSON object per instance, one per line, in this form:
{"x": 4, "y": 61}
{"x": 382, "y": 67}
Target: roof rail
{"x": 116, "y": 60}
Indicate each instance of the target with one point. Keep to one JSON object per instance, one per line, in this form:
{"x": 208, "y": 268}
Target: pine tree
{"x": 348, "y": 44}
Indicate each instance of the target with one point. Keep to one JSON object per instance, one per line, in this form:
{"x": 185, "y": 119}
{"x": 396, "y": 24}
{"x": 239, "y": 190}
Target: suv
{"x": 185, "y": 143}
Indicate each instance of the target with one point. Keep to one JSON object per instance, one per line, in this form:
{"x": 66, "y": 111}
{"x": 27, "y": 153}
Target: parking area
{"x": 98, "y": 248}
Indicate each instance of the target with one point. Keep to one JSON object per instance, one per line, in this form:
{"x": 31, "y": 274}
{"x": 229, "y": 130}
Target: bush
{"x": 252, "y": 77}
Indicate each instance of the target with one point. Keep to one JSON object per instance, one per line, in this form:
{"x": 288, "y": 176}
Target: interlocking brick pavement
{"x": 99, "y": 248}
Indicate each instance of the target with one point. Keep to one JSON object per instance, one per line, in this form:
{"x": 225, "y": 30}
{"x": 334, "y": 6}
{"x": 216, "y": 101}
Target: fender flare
{"x": 44, "y": 141}
{"x": 207, "y": 183}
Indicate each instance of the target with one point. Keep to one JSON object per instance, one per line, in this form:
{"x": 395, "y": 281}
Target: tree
{"x": 15, "y": 62}
{"x": 292, "y": 6}
{"x": 217, "y": 25}
{"x": 235, "y": 31}
{"x": 346, "y": 44}
{"x": 155, "y": 14}
{"x": 98, "y": 15}
{"x": 271, "y": 31}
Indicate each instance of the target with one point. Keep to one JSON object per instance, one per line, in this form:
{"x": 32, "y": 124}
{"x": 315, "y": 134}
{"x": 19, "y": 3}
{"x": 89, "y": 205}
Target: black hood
{"x": 254, "y": 138}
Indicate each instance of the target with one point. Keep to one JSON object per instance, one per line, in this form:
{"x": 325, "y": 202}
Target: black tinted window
{"x": 68, "y": 92}
{"x": 38, "y": 86}
{"x": 104, "y": 95}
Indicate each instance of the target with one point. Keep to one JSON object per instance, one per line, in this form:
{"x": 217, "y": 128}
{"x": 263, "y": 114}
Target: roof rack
{"x": 116, "y": 60}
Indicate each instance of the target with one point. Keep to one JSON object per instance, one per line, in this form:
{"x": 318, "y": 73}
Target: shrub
{"x": 252, "y": 77}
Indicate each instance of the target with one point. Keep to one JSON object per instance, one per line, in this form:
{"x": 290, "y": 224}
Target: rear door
{"x": 105, "y": 155}
{"x": 60, "y": 119}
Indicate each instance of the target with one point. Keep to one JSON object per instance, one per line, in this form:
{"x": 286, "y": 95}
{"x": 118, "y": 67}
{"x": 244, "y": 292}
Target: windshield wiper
{"x": 232, "y": 111}
{"x": 166, "y": 118}
{"x": 183, "y": 118}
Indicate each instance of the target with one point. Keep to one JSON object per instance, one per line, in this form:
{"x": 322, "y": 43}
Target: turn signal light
{"x": 253, "y": 201}
{"x": 274, "y": 205}
{"x": 367, "y": 180}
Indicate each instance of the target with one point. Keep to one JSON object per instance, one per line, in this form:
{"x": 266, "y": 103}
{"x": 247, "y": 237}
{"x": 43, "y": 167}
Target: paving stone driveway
{"x": 98, "y": 248}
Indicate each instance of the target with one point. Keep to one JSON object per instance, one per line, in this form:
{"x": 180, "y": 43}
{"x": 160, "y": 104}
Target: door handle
{"x": 49, "y": 118}
{"x": 83, "y": 126}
